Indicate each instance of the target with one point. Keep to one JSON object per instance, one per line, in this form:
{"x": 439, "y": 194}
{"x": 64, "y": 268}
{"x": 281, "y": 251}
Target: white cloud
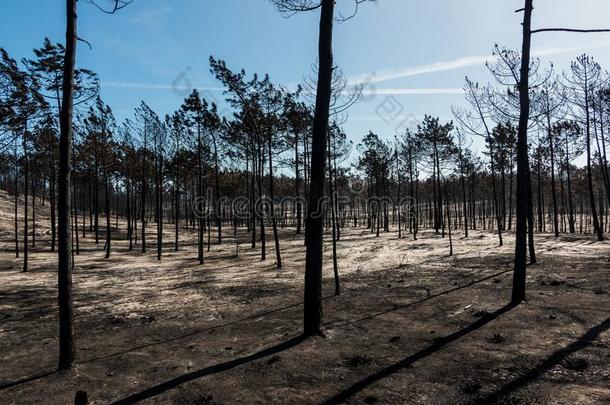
{"x": 152, "y": 16}
{"x": 152, "y": 86}
{"x": 385, "y": 75}
{"x": 460, "y": 63}
{"x": 412, "y": 91}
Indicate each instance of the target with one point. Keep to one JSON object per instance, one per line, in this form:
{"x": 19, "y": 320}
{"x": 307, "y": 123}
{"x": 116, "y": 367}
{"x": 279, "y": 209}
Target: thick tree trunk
{"x": 67, "y": 348}
{"x": 518, "y": 293}
{"x": 312, "y": 312}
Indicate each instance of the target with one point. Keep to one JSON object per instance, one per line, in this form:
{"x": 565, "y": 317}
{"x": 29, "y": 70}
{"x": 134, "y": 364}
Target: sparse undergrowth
{"x": 430, "y": 330}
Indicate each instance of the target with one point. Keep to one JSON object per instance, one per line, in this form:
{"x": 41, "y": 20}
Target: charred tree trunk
{"x": 143, "y": 192}
{"x": 26, "y": 222}
{"x": 33, "y": 205}
{"x": 52, "y": 182}
{"x": 596, "y": 225}
{"x": 16, "y": 191}
{"x": 129, "y": 224}
{"x": 494, "y": 191}
{"x": 74, "y": 212}
{"x": 199, "y": 199}
{"x": 107, "y": 206}
{"x": 217, "y": 212}
{"x": 278, "y": 255}
{"x": 518, "y": 293}
{"x": 176, "y": 210}
{"x": 571, "y": 219}
{"x": 530, "y": 220}
{"x": 553, "y": 183}
{"x": 312, "y": 312}
{"x": 159, "y": 198}
{"x": 334, "y": 221}
{"x": 67, "y": 348}
{"x": 464, "y": 203}
{"x": 297, "y": 186}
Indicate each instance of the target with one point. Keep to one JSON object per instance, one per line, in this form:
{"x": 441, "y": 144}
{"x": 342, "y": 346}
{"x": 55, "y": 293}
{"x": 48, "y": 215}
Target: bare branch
{"x": 116, "y": 5}
{"x": 568, "y": 30}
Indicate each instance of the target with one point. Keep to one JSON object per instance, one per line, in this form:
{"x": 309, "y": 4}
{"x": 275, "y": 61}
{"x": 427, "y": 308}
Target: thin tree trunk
{"x": 52, "y": 208}
{"x": 553, "y": 183}
{"x": 596, "y": 225}
{"x": 334, "y": 223}
{"x": 16, "y": 191}
{"x": 278, "y": 255}
{"x": 216, "y": 192}
{"x": 297, "y": 186}
{"x": 107, "y": 205}
{"x": 465, "y": 204}
{"x": 26, "y": 222}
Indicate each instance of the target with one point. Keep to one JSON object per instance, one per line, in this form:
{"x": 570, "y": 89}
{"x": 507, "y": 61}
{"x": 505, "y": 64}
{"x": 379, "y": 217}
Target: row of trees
{"x": 133, "y": 169}
{"x": 280, "y": 143}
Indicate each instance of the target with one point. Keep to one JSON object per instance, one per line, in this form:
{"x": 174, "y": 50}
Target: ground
{"x": 411, "y": 326}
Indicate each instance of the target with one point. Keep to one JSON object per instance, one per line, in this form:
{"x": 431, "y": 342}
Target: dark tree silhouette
{"x": 312, "y": 312}
{"x": 67, "y": 348}
{"x": 523, "y": 180}
{"x": 522, "y": 194}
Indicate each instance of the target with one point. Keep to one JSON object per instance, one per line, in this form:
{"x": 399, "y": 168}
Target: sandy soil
{"x": 412, "y": 325}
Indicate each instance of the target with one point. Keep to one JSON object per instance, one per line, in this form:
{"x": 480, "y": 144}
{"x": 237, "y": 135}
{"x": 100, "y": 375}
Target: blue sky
{"x": 416, "y": 52}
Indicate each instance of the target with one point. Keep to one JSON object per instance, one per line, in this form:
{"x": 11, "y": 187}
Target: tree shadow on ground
{"x": 275, "y": 310}
{"x": 410, "y": 304}
{"x": 217, "y": 368}
{"x": 408, "y": 361}
{"x": 254, "y": 316}
{"x": 26, "y": 380}
{"x": 554, "y": 359}
{"x": 200, "y": 331}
